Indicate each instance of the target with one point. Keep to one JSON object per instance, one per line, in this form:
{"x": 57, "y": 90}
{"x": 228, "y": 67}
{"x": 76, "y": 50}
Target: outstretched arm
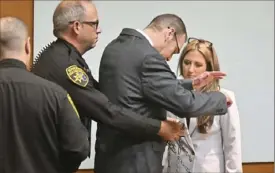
{"x": 161, "y": 86}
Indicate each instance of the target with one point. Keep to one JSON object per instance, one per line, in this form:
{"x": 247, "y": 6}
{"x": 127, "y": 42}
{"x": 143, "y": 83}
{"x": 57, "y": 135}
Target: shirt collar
{"x": 146, "y": 36}
{"x": 71, "y": 46}
{"x": 12, "y": 63}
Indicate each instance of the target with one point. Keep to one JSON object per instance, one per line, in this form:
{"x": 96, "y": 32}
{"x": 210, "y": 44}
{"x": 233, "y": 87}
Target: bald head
{"x": 69, "y": 11}
{"x": 13, "y": 36}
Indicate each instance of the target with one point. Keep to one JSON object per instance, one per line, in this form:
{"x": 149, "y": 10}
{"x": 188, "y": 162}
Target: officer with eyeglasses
{"x": 76, "y": 28}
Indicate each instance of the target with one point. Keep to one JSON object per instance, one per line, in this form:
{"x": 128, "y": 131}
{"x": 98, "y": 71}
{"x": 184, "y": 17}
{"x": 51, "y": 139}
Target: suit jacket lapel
{"x": 188, "y": 137}
{"x": 192, "y": 126}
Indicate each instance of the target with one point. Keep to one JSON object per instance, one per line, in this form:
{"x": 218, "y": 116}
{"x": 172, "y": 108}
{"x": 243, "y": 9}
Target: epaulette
{"x": 36, "y": 60}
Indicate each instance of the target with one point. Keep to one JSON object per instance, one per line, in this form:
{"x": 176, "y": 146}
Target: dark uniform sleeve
{"x": 94, "y": 104}
{"x": 161, "y": 86}
{"x": 73, "y": 135}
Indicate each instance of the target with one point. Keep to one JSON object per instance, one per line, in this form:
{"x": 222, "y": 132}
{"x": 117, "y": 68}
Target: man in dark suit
{"x": 76, "y": 26}
{"x": 134, "y": 74}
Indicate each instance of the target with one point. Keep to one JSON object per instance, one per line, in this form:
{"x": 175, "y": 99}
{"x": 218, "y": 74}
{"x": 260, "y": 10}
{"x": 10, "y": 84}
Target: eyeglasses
{"x": 176, "y": 38}
{"x": 178, "y": 48}
{"x": 208, "y": 43}
{"x": 91, "y": 23}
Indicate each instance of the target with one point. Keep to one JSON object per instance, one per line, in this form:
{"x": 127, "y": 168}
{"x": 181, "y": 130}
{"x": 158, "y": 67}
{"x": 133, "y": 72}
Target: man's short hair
{"x": 13, "y": 33}
{"x": 168, "y": 20}
{"x": 66, "y": 12}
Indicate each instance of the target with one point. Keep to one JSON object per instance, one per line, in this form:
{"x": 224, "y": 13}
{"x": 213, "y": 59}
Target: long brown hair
{"x": 206, "y": 48}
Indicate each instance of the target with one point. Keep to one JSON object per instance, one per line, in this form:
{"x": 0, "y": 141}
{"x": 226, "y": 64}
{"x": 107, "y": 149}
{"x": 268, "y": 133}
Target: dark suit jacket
{"x": 134, "y": 75}
{"x": 53, "y": 64}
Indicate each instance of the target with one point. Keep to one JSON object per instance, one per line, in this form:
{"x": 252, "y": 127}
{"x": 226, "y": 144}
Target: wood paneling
{"x": 247, "y": 168}
{"x": 22, "y": 9}
{"x": 258, "y": 167}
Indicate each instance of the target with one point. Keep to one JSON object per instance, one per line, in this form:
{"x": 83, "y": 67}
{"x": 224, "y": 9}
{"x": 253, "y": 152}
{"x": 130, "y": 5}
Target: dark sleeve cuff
{"x": 186, "y": 83}
{"x": 153, "y": 126}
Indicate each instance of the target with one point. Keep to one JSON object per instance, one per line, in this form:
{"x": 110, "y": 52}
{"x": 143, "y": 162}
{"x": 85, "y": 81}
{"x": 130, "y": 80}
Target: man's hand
{"x": 206, "y": 78}
{"x": 170, "y": 129}
{"x": 183, "y": 131}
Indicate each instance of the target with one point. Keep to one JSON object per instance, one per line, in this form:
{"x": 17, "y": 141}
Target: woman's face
{"x": 193, "y": 64}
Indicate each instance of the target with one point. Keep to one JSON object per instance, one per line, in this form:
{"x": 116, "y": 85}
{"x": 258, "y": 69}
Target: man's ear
{"x": 76, "y": 27}
{"x": 169, "y": 34}
{"x": 28, "y": 46}
{"x": 166, "y": 34}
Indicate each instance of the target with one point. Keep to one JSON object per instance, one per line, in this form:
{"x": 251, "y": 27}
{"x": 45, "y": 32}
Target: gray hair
{"x": 168, "y": 20}
{"x": 66, "y": 12}
{"x": 13, "y": 33}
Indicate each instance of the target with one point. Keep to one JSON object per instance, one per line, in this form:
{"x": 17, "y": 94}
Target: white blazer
{"x": 218, "y": 151}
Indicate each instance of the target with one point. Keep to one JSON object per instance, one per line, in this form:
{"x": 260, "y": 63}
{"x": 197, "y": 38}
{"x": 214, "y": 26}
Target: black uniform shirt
{"x": 61, "y": 63}
{"x": 40, "y": 132}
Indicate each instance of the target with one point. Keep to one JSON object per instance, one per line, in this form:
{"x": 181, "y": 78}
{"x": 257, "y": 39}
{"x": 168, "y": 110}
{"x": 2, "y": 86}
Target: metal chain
{"x": 172, "y": 148}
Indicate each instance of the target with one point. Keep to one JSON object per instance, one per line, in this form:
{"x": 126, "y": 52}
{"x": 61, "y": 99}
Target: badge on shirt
{"x": 77, "y": 75}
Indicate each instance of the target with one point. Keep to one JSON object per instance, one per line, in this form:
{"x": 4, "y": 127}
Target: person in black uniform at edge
{"x": 76, "y": 27}
{"x": 40, "y": 130}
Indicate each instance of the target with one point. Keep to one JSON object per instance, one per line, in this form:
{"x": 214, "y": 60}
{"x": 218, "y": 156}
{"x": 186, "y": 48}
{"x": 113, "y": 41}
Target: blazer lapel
{"x": 187, "y": 137}
{"x": 192, "y": 126}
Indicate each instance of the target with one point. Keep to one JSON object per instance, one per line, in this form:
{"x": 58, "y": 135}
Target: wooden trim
{"x": 32, "y": 32}
{"x": 259, "y": 167}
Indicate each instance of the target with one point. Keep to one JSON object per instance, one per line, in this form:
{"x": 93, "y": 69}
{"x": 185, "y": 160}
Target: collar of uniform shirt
{"x": 146, "y": 36}
{"x": 10, "y": 62}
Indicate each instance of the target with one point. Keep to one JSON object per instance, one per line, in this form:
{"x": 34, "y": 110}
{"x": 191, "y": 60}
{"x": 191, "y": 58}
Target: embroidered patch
{"x": 72, "y": 103}
{"x": 77, "y": 75}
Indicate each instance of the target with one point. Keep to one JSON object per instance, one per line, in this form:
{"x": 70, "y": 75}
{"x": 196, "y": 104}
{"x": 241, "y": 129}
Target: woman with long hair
{"x": 211, "y": 144}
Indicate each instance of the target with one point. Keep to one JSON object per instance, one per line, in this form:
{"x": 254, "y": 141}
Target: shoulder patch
{"x": 77, "y": 75}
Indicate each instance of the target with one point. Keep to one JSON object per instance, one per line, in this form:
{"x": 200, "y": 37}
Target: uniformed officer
{"x": 40, "y": 130}
{"x": 76, "y": 27}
